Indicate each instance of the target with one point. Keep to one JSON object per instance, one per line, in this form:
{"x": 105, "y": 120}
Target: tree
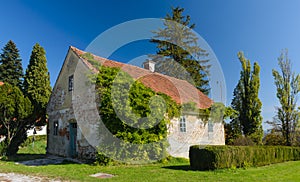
{"x": 11, "y": 70}
{"x": 288, "y": 87}
{"x": 15, "y": 112}
{"x": 37, "y": 82}
{"x": 177, "y": 42}
{"x": 247, "y": 103}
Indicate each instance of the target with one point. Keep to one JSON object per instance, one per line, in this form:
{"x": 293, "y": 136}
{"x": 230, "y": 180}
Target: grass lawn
{"x": 175, "y": 170}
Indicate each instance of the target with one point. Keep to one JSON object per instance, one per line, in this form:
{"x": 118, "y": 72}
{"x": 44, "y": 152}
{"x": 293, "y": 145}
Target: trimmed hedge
{"x": 218, "y": 157}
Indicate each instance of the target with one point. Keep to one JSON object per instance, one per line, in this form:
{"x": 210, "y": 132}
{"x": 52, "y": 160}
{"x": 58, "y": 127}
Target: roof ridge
{"x": 125, "y": 64}
{"x": 148, "y": 78}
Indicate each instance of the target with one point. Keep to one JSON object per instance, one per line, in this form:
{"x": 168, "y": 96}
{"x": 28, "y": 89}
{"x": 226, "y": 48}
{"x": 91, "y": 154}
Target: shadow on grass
{"x": 39, "y": 160}
{"x": 24, "y": 157}
{"x": 181, "y": 168}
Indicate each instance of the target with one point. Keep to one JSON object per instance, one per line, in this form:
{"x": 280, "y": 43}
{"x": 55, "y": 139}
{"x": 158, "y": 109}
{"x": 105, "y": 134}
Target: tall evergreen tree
{"x": 288, "y": 87}
{"x": 247, "y": 103}
{"x": 177, "y": 42}
{"x": 11, "y": 70}
{"x": 37, "y": 82}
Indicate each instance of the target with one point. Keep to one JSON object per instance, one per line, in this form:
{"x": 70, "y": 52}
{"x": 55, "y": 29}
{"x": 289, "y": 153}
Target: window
{"x": 182, "y": 124}
{"x": 73, "y": 125}
{"x": 55, "y": 126}
{"x": 71, "y": 83}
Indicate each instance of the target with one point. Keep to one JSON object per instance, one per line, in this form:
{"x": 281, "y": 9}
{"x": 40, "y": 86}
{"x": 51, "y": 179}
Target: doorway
{"x": 73, "y": 137}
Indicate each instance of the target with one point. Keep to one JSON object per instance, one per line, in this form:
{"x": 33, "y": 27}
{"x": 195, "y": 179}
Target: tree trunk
{"x": 16, "y": 141}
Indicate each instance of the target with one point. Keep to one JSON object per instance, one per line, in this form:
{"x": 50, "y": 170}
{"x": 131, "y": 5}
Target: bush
{"x": 243, "y": 141}
{"x": 103, "y": 160}
{"x": 274, "y": 138}
{"x": 3, "y": 147}
{"x": 218, "y": 157}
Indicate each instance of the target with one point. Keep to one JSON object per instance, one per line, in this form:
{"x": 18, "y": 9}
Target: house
{"x": 73, "y": 115}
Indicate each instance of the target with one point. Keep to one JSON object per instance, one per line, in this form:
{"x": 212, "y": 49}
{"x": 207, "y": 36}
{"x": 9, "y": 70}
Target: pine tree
{"x": 37, "y": 82}
{"x": 247, "y": 103}
{"x": 288, "y": 87}
{"x": 177, "y": 42}
{"x": 11, "y": 70}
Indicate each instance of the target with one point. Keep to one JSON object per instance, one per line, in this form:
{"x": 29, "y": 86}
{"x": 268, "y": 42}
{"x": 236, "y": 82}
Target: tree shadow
{"x": 24, "y": 157}
{"x": 181, "y": 168}
{"x": 39, "y": 160}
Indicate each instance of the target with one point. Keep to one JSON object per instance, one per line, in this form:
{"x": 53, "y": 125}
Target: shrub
{"x": 274, "y": 138}
{"x": 218, "y": 157}
{"x": 243, "y": 141}
{"x": 3, "y": 147}
{"x": 103, "y": 160}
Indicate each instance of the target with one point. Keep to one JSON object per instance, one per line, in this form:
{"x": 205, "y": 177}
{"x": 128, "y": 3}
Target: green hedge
{"x": 218, "y": 157}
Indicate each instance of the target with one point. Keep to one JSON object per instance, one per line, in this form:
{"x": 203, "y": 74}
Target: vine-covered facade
{"x": 74, "y": 109}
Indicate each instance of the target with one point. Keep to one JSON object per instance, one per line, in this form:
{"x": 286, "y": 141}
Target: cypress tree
{"x": 37, "y": 82}
{"x": 247, "y": 103}
{"x": 11, "y": 70}
{"x": 177, "y": 42}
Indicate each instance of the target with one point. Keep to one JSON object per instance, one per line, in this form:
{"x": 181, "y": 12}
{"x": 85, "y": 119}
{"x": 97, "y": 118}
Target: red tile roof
{"x": 180, "y": 91}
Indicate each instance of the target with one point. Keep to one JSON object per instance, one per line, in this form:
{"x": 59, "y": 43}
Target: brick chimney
{"x": 149, "y": 65}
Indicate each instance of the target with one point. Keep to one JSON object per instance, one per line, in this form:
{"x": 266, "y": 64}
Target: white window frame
{"x": 182, "y": 124}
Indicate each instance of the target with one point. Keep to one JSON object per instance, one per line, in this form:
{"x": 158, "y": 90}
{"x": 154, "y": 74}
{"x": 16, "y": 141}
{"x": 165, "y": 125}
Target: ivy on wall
{"x": 135, "y": 113}
{"x": 132, "y": 112}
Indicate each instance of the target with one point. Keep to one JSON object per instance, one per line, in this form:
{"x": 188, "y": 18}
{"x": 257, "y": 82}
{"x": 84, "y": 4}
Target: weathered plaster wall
{"x": 197, "y": 133}
{"x": 60, "y": 109}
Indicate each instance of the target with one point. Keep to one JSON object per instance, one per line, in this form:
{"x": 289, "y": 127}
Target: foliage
{"x": 37, "y": 83}
{"x": 242, "y": 141}
{"x": 218, "y": 157}
{"x": 218, "y": 112}
{"x": 11, "y": 70}
{"x": 15, "y": 112}
{"x": 90, "y": 58}
{"x": 247, "y": 103}
{"x": 274, "y": 138}
{"x": 177, "y": 42}
{"x": 134, "y": 114}
{"x": 288, "y": 87}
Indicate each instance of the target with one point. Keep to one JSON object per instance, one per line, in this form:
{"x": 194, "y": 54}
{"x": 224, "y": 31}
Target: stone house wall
{"x": 79, "y": 106}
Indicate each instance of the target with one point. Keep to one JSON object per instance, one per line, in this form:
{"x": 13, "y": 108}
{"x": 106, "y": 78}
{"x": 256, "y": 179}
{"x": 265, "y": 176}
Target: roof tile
{"x": 180, "y": 91}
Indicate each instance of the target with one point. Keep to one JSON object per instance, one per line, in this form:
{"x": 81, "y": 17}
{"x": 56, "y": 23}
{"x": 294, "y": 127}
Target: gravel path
{"x": 13, "y": 177}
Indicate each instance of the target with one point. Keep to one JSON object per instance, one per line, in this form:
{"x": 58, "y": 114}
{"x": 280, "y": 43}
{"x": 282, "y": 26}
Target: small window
{"x": 55, "y": 126}
{"x": 71, "y": 83}
{"x": 210, "y": 126}
{"x": 73, "y": 125}
{"x": 182, "y": 124}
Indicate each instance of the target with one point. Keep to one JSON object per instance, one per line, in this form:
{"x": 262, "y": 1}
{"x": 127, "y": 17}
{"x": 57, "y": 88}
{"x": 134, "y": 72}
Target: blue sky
{"x": 261, "y": 29}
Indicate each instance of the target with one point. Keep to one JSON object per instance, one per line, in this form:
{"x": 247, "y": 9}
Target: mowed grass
{"x": 174, "y": 170}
